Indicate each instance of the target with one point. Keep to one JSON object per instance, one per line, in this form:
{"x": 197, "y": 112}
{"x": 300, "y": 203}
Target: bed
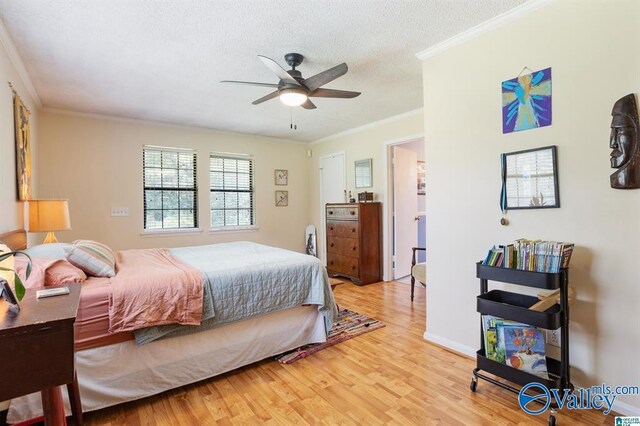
{"x": 112, "y": 368}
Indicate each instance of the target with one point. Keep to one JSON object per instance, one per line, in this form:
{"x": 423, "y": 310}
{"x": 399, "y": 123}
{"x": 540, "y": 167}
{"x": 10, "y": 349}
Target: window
{"x": 170, "y": 191}
{"x": 231, "y": 178}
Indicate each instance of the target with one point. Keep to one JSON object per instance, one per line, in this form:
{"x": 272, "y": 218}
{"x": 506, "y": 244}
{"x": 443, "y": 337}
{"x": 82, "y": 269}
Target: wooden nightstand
{"x": 38, "y": 354}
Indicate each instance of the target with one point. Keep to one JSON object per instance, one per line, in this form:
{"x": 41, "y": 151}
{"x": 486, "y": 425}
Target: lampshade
{"x": 293, "y": 97}
{"x": 49, "y": 216}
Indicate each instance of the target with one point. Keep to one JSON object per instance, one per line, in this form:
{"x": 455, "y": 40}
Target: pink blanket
{"x": 151, "y": 288}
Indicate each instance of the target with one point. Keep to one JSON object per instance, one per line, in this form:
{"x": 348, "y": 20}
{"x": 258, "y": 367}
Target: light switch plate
{"x": 119, "y": 211}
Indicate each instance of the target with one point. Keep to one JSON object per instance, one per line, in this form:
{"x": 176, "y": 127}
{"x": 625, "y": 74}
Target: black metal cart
{"x": 515, "y": 307}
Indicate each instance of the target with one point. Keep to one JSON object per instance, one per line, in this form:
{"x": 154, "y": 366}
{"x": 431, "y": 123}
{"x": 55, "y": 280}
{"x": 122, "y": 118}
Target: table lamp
{"x": 49, "y": 216}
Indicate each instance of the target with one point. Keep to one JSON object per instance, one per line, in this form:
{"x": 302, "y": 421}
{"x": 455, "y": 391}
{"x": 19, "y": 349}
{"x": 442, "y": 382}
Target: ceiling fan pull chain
{"x": 293, "y": 126}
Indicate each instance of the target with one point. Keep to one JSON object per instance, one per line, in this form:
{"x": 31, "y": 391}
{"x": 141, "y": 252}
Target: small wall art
{"x": 23, "y": 148}
{"x": 526, "y": 101}
{"x": 530, "y": 179}
{"x": 282, "y": 177}
{"x": 282, "y": 198}
{"x": 422, "y": 178}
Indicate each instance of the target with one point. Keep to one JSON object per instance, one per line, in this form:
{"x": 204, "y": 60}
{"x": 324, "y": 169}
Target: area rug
{"x": 349, "y": 325}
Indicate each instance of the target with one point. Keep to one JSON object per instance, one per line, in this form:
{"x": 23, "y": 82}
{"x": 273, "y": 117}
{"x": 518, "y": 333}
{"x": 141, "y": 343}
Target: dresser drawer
{"x": 342, "y": 264}
{"x": 345, "y": 246}
{"x": 342, "y": 213}
{"x": 342, "y": 228}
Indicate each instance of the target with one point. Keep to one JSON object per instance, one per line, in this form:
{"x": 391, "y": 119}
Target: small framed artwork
{"x": 282, "y": 177}
{"x": 363, "y": 173}
{"x": 282, "y": 198}
{"x": 422, "y": 179}
{"x": 530, "y": 179}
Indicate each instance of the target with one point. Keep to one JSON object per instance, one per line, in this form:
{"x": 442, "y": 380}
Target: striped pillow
{"x": 95, "y": 259}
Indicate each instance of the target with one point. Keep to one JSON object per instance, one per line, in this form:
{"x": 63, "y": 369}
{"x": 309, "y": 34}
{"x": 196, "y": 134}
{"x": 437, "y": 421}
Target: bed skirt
{"x": 124, "y": 372}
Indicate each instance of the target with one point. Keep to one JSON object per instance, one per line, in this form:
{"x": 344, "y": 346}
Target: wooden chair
{"x": 418, "y": 270}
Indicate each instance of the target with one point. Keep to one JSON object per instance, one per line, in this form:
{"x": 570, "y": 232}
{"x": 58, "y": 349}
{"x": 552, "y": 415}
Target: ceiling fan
{"x": 293, "y": 89}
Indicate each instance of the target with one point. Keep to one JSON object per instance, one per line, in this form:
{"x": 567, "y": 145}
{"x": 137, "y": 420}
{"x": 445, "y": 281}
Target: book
{"x": 531, "y": 255}
{"x": 524, "y": 347}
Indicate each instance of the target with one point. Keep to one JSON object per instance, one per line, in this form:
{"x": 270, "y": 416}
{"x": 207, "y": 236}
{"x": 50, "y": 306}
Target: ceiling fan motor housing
{"x": 293, "y": 59}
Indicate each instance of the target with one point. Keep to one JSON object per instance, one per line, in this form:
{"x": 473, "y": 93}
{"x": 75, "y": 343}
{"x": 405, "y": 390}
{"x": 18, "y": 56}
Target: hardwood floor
{"x": 387, "y": 376}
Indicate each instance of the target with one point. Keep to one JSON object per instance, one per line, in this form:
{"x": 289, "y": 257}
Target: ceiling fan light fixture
{"x": 293, "y": 97}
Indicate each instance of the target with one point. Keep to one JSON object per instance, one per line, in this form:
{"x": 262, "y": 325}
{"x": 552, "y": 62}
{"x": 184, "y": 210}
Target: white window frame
{"x": 240, "y": 228}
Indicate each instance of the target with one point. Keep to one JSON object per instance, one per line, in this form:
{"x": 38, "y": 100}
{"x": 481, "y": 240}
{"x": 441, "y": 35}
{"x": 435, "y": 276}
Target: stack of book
{"x": 531, "y": 255}
{"x": 517, "y": 345}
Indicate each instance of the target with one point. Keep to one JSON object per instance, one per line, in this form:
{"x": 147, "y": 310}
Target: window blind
{"x": 231, "y": 185}
{"x": 170, "y": 188}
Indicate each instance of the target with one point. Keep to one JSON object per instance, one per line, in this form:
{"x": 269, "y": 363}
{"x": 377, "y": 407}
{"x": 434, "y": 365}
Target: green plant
{"x": 537, "y": 202}
{"x": 19, "y": 286}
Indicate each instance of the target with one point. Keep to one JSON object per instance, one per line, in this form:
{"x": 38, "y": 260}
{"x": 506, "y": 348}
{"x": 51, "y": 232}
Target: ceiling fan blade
{"x": 308, "y": 105}
{"x": 278, "y": 70}
{"x": 325, "y": 77}
{"x": 266, "y": 98}
{"x": 250, "y": 83}
{"x": 332, "y": 93}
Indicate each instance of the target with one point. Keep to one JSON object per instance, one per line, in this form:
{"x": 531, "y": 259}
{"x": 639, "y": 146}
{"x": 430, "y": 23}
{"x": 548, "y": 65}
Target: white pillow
{"x": 48, "y": 251}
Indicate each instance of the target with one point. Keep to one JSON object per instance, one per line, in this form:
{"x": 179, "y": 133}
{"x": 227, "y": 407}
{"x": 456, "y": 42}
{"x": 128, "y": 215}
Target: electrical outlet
{"x": 553, "y": 337}
{"x": 119, "y": 211}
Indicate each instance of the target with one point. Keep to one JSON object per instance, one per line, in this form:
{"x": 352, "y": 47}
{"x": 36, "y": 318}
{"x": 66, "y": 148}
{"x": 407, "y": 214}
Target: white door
{"x": 333, "y": 182}
{"x": 405, "y": 208}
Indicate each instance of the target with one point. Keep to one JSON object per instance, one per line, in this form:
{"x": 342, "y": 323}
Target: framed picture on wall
{"x": 530, "y": 179}
{"x": 422, "y": 179}
{"x": 282, "y": 177}
{"x": 282, "y": 198}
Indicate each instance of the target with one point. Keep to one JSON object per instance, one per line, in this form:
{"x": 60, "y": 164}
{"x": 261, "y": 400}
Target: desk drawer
{"x": 37, "y": 360}
{"x": 339, "y": 264}
{"x": 342, "y": 213}
{"x": 342, "y": 228}
{"x": 345, "y": 246}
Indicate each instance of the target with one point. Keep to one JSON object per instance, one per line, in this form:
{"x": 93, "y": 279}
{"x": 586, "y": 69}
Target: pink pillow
{"x": 48, "y": 272}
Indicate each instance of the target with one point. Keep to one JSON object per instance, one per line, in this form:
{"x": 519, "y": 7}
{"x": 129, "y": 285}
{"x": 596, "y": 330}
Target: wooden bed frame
{"x": 15, "y": 240}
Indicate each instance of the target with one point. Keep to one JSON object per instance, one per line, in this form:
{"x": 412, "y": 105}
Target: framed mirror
{"x": 363, "y": 174}
{"x": 530, "y": 179}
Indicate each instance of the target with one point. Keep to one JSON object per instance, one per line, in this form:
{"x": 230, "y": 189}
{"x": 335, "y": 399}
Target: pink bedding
{"x": 151, "y": 288}
{"x": 92, "y": 323}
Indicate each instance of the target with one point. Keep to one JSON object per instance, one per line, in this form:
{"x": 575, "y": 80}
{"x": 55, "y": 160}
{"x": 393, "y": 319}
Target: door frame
{"x": 387, "y": 211}
{"x": 323, "y": 220}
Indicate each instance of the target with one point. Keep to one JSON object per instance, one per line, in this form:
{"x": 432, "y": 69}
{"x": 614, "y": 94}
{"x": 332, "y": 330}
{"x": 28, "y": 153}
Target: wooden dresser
{"x": 354, "y": 241}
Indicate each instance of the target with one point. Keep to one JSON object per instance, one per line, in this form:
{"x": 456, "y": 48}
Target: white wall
{"x": 97, "y": 164}
{"x": 358, "y": 144}
{"x": 12, "y": 216}
{"x": 594, "y": 50}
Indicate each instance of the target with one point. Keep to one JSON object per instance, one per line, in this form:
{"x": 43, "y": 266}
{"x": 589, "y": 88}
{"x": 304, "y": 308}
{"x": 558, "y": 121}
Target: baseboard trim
{"x": 450, "y": 344}
{"x": 626, "y": 409}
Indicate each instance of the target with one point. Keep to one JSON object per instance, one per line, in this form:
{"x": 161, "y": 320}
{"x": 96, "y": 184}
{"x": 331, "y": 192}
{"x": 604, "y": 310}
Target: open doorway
{"x": 408, "y": 202}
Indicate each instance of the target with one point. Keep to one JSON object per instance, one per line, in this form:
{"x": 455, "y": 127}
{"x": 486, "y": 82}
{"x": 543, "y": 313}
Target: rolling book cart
{"x": 514, "y": 306}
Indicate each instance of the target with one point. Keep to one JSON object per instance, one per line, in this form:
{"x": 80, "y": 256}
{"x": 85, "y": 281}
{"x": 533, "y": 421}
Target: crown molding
{"x": 490, "y": 25}
{"x": 369, "y": 125}
{"x": 15, "y": 59}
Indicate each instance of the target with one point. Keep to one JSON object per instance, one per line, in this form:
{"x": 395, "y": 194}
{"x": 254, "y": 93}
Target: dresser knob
{"x": 331, "y": 228}
{"x": 331, "y": 244}
{"x": 352, "y": 212}
{"x": 352, "y": 229}
{"x": 331, "y": 263}
{"x": 353, "y": 266}
{"x": 353, "y": 249}
{"x": 330, "y": 211}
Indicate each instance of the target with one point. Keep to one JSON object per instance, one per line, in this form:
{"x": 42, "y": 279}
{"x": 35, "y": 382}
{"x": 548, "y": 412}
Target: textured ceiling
{"x": 163, "y": 60}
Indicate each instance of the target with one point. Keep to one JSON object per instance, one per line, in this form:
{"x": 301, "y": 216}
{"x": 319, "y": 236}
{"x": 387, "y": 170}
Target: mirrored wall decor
{"x": 363, "y": 174}
{"x": 530, "y": 179}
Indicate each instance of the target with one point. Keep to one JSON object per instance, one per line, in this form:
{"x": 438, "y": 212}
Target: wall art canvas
{"x": 23, "y": 148}
{"x": 526, "y": 101}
